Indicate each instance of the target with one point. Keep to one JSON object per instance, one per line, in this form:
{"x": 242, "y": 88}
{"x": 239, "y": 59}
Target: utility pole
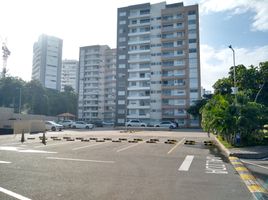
{"x": 234, "y": 88}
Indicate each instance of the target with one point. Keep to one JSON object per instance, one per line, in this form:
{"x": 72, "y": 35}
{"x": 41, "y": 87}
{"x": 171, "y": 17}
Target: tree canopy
{"x": 35, "y": 99}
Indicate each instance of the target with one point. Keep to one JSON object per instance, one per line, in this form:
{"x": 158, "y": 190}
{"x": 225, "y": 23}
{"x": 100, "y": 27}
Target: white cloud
{"x": 215, "y": 63}
{"x": 259, "y": 7}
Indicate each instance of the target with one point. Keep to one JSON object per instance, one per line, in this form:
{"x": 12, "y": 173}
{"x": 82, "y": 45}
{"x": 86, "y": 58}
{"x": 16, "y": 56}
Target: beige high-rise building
{"x": 97, "y": 85}
{"x": 158, "y": 63}
{"x": 69, "y": 74}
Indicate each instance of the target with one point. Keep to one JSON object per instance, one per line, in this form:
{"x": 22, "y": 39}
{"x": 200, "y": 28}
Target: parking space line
{"x": 250, "y": 163}
{"x": 175, "y": 146}
{"x": 4, "y": 162}
{"x": 88, "y": 146}
{"x": 55, "y": 144}
{"x": 81, "y": 160}
{"x": 186, "y": 163}
{"x": 13, "y": 194}
{"x": 128, "y": 147}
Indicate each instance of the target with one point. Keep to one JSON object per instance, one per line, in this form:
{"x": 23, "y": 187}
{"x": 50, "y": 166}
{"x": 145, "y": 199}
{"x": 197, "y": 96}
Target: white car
{"x": 82, "y": 125}
{"x": 53, "y": 126}
{"x": 167, "y": 124}
{"x": 135, "y": 122}
{"x": 67, "y": 123}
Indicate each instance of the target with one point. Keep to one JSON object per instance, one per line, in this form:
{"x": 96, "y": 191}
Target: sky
{"x": 241, "y": 23}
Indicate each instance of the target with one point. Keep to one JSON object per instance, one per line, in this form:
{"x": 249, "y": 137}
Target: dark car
{"x": 97, "y": 123}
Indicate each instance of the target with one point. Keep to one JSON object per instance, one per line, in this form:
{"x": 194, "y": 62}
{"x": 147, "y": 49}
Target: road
{"x": 117, "y": 170}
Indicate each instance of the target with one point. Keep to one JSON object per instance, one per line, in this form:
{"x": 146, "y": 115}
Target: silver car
{"x": 167, "y": 124}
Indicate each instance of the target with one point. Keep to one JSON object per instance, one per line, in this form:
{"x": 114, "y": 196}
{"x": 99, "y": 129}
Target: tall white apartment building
{"x": 47, "y": 56}
{"x": 97, "y": 85}
{"x": 69, "y": 74}
{"x": 158, "y": 62}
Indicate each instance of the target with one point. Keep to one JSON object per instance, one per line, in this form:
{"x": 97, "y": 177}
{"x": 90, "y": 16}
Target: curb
{"x": 259, "y": 192}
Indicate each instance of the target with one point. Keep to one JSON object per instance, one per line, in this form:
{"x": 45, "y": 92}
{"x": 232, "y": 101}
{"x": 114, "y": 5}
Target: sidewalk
{"x": 254, "y": 152}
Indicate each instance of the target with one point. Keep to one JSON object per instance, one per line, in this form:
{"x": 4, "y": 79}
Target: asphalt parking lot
{"x": 117, "y": 165}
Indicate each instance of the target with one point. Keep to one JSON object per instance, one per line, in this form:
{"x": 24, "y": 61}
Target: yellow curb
{"x": 233, "y": 158}
{"x": 236, "y": 163}
{"x": 247, "y": 177}
{"x": 256, "y": 188}
{"x": 241, "y": 169}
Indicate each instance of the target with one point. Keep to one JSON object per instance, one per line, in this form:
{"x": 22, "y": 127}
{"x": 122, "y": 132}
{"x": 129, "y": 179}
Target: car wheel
{"x": 53, "y": 128}
{"x": 129, "y": 125}
{"x": 142, "y": 126}
{"x": 60, "y": 129}
{"x": 87, "y": 127}
{"x": 171, "y": 127}
{"x": 74, "y": 126}
{"x": 157, "y": 126}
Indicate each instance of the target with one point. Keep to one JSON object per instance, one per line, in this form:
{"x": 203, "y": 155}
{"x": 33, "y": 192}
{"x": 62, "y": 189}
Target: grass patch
{"x": 225, "y": 143}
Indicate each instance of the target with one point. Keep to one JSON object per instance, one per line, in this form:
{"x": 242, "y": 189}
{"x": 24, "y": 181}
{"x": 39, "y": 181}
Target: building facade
{"x": 97, "y": 85}
{"x": 69, "y": 74}
{"x": 158, "y": 63}
{"x": 47, "y": 59}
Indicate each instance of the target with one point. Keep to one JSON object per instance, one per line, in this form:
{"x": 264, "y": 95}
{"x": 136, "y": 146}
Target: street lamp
{"x": 234, "y": 88}
{"x": 19, "y": 99}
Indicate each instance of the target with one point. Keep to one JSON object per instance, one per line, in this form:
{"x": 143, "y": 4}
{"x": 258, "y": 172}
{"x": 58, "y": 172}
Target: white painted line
{"x": 4, "y": 162}
{"x": 128, "y": 147}
{"x": 175, "y": 146}
{"x": 88, "y": 146}
{"x": 56, "y": 144}
{"x": 186, "y": 163}
{"x": 13, "y": 194}
{"x": 81, "y": 160}
{"x": 254, "y": 164}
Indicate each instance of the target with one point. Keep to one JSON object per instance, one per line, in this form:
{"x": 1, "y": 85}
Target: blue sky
{"x": 242, "y": 23}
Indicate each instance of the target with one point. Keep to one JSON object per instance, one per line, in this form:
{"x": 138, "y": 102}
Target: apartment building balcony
{"x": 138, "y": 97}
{"x": 139, "y": 25}
{"x": 147, "y": 116}
{"x": 139, "y": 42}
{"x": 139, "y": 51}
{"x": 167, "y": 87}
{"x": 173, "y": 57}
{"x": 173, "y": 96}
{"x": 139, "y": 69}
{"x": 138, "y": 107}
{"x": 172, "y": 76}
{"x": 172, "y": 29}
{"x": 139, "y": 16}
{"x": 139, "y": 79}
{"x": 138, "y": 88}
{"x": 139, "y": 33}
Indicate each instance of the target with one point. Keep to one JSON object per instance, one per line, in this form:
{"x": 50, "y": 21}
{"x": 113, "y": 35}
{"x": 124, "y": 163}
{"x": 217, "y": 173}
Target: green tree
{"x": 36, "y": 98}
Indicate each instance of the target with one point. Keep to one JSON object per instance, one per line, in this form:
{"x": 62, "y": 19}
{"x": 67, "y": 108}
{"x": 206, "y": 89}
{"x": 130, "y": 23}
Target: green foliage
{"x": 245, "y": 115}
{"x": 35, "y": 99}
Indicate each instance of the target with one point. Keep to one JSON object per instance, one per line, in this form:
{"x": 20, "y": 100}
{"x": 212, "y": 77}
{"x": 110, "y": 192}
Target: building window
{"x": 121, "y": 93}
{"x": 121, "y": 57}
{"x": 121, "y": 102}
{"x": 192, "y": 40}
{"x": 192, "y": 50}
{"x": 192, "y": 21}
{"x": 121, "y": 121}
{"x": 122, "y": 22}
{"x": 122, "y": 66}
{"x": 191, "y": 12}
{"x": 122, "y": 14}
{"x": 121, "y": 111}
{"x": 122, "y": 39}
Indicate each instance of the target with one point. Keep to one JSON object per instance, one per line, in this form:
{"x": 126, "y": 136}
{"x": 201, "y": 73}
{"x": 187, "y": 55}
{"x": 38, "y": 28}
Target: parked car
{"x": 82, "y": 125}
{"x": 153, "y": 123}
{"x": 107, "y": 123}
{"x": 135, "y": 122}
{"x": 67, "y": 123}
{"x": 167, "y": 124}
{"x": 97, "y": 123}
{"x": 53, "y": 126}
